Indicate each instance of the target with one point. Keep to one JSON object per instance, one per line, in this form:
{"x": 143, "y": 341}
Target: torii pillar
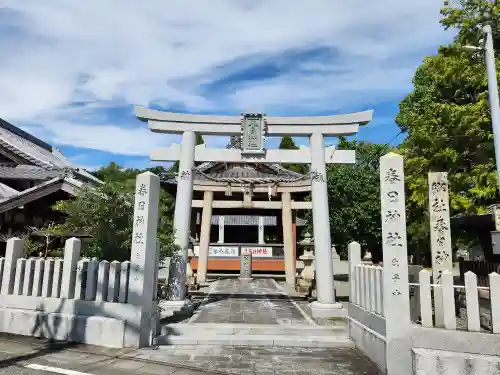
{"x": 253, "y": 128}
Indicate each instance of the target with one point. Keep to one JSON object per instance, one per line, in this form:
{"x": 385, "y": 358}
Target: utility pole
{"x": 489, "y": 56}
{"x": 491, "y": 71}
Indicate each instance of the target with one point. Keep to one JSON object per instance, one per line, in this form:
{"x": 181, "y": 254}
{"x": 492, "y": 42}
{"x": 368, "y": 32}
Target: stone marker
{"x": 246, "y": 265}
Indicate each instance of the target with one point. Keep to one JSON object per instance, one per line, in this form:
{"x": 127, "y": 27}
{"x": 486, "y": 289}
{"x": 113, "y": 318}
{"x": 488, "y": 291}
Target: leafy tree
{"x": 448, "y": 123}
{"x": 106, "y": 214}
{"x": 354, "y": 198}
{"x": 287, "y": 143}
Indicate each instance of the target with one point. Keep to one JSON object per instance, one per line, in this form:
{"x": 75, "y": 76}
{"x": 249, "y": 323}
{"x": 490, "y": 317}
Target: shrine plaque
{"x": 253, "y": 129}
{"x": 246, "y": 265}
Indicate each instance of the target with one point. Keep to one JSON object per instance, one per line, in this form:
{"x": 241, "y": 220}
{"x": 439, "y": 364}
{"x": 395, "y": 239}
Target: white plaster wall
{"x": 94, "y": 330}
{"x": 368, "y": 343}
{"x": 439, "y": 362}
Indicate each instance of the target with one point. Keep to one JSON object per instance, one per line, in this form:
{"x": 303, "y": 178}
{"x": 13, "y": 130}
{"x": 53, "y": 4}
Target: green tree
{"x": 447, "y": 120}
{"x": 105, "y": 213}
{"x": 287, "y": 143}
{"x": 354, "y": 198}
{"x": 114, "y": 172}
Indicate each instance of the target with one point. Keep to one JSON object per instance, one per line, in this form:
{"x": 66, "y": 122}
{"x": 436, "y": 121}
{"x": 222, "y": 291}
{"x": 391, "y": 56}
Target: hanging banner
{"x": 259, "y": 252}
{"x": 219, "y": 251}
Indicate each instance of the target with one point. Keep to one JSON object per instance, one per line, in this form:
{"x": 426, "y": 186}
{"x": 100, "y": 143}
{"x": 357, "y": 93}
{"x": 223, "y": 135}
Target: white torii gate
{"x": 253, "y": 128}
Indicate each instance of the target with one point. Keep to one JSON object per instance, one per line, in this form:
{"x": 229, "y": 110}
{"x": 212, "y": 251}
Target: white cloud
{"x": 131, "y": 52}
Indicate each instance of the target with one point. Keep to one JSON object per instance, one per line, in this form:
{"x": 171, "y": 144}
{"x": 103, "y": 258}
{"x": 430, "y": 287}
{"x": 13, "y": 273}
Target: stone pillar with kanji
{"x": 143, "y": 262}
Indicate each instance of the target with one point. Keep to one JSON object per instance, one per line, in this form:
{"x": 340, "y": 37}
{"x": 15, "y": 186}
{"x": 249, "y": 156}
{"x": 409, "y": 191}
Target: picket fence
{"x": 90, "y": 280}
{"x": 471, "y": 288}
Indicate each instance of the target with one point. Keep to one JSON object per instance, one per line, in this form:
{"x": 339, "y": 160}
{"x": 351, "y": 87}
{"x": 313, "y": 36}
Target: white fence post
{"x": 13, "y": 252}
{"x": 354, "y": 254}
{"x": 424, "y": 277}
{"x": 102, "y": 281}
{"x": 38, "y": 277}
{"x": 495, "y": 301}
{"x": 472, "y": 301}
{"x": 143, "y": 259}
{"x": 71, "y": 257}
{"x": 114, "y": 281}
{"x": 81, "y": 271}
{"x": 29, "y": 270}
{"x": 48, "y": 277}
{"x": 448, "y": 295}
{"x": 124, "y": 276}
{"x": 378, "y": 290}
{"x": 19, "y": 278}
{"x": 91, "y": 287}
{"x": 395, "y": 275}
{"x": 57, "y": 279}
{"x": 439, "y": 218}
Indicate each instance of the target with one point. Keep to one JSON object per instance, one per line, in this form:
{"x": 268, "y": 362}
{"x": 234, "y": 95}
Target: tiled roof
{"x": 237, "y": 170}
{"x": 30, "y": 172}
{"x": 43, "y": 160}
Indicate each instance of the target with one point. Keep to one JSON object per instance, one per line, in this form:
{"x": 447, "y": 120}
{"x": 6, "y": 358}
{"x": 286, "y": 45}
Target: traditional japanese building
{"x": 246, "y": 206}
{"x": 33, "y": 176}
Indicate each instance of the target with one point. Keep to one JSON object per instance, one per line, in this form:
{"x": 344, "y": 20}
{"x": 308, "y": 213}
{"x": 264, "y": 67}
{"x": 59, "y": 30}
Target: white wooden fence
{"x": 90, "y": 280}
{"x": 368, "y": 288}
{"x": 449, "y": 303}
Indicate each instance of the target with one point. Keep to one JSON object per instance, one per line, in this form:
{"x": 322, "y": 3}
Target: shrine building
{"x": 239, "y": 206}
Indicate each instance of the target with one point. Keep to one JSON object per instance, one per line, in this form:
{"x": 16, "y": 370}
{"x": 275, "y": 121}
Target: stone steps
{"x": 255, "y": 335}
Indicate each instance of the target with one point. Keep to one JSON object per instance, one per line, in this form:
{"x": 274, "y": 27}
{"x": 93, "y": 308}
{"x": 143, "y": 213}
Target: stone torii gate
{"x": 253, "y": 128}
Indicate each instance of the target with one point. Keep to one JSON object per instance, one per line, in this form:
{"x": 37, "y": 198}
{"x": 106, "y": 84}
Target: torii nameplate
{"x": 253, "y": 129}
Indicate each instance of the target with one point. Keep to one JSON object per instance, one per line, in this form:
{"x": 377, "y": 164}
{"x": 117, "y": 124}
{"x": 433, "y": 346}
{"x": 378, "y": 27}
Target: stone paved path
{"x": 263, "y": 303}
{"x": 262, "y": 361}
{"x": 260, "y": 301}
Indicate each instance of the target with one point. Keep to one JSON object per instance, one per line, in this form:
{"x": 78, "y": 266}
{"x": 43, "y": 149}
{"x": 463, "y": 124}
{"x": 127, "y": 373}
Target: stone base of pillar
{"x": 327, "y": 310}
{"x": 170, "y": 307}
{"x": 245, "y": 278}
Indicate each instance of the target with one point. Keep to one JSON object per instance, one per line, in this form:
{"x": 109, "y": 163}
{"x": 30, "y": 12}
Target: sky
{"x": 71, "y": 72}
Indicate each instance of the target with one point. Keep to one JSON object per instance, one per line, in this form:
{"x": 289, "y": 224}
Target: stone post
{"x": 184, "y": 196}
{"x": 286, "y": 212}
{"x": 439, "y": 217}
{"x": 354, "y": 250}
{"x": 143, "y": 262}
{"x": 325, "y": 306}
{"x": 72, "y": 249}
{"x": 13, "y": 252}
{"x": 396, "y": 301}
{"x": 262, "y": 241}
{"x": 246, "y": 265}
{"x": 221, "y": 229}
{"x": 206, "y": 224}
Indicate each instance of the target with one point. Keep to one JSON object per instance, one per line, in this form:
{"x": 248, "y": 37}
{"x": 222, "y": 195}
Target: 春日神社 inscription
{"x": 253, "y": 132}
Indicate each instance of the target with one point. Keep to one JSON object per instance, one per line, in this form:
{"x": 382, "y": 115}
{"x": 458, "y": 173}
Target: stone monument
{"x": 246, "y": 265}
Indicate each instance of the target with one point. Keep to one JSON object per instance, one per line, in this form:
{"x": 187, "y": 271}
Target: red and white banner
{"x": 259, "y": 252}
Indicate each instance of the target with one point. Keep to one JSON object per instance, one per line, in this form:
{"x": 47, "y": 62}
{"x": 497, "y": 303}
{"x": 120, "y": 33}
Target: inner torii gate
{"x": 253, "y": 128}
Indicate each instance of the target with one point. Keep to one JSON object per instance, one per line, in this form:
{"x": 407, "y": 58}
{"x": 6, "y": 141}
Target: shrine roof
{"x": 244, "y": 172}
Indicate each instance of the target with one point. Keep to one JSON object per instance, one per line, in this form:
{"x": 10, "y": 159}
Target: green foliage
{"x": 106, "y": 212}
{"x": 287, "y": 143}
{"x": 354, "y": 198}
{"x": 448, "y": 123}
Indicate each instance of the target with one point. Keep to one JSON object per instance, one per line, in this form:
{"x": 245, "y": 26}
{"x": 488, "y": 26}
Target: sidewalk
{"x": 25, "y": 355}
{"x": 30, "y": 356}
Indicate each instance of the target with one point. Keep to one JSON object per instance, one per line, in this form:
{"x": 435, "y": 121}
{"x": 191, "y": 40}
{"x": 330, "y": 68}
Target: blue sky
{"x": 74, "y": 70}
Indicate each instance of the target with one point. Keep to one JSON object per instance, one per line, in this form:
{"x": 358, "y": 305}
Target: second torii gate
{"x": 253, "y": 128}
